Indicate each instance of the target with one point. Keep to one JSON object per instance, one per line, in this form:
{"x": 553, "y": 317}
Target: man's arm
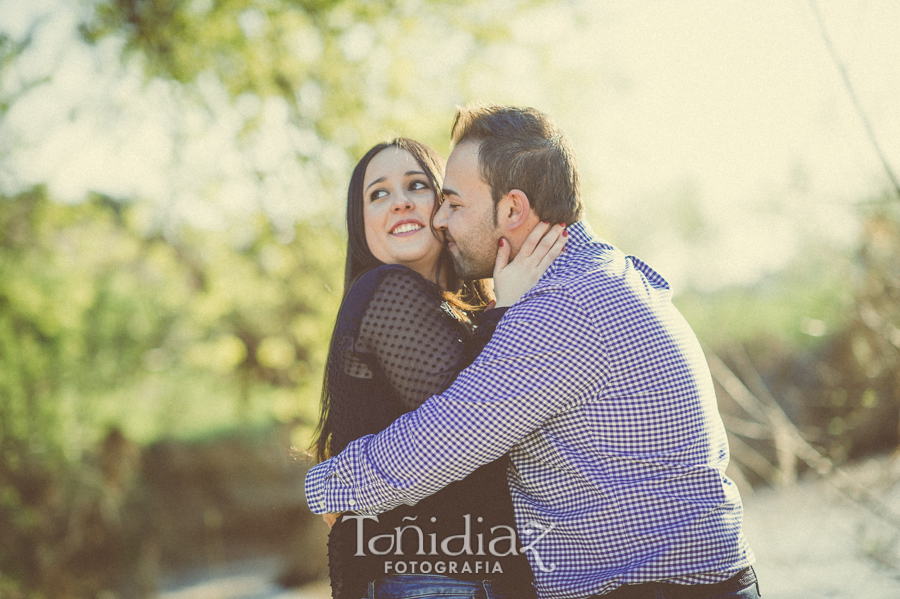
{"x": 545, "y": 358}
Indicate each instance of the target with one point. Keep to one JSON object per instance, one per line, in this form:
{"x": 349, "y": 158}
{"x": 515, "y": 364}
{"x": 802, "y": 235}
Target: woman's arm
{"x": 394, "y": 347}
{"x": 416, "y": 346}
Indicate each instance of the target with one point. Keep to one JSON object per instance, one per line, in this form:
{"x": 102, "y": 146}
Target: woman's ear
{"x": 514, "y": 210}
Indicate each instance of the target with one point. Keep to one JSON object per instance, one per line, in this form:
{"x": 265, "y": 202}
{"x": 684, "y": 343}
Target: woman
{"x": 404, "y": 331}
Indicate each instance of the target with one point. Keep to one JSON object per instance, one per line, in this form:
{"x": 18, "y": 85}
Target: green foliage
{"x": 797, "y": 306}
{"x": 825, "y": 337}
{"x": 105, "y": 324}
{"x": 856, "y": 403}
{"x": 351, "y": 72}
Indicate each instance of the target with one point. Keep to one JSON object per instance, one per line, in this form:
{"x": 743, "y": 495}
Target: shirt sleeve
{"x": 544, "y": 358}
{"x": 394, "y": 347}
{"x": 411, "y": 338}
{"x": 351, "y": 379}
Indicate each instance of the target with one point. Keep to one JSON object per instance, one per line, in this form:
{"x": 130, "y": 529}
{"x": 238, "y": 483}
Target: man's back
{"x": 627, "y": 480}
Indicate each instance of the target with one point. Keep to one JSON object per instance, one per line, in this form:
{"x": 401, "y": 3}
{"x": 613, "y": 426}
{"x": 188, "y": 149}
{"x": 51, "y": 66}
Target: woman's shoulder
{"x": 389, "y": 278}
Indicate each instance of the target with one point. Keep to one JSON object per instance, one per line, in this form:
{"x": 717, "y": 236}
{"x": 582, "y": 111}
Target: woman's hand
{"x": 330, "y": 519}
{"x": 513, "y": 279}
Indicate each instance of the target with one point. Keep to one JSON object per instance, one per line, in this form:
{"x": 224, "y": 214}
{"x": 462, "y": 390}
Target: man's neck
{"x": 517, "y": 236}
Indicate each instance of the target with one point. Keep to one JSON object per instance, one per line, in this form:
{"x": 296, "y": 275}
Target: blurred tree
{"x": 120, "y": 322}
{"x": 841, "y": 388}
{"x": 858, "y": 407}
{"x": 106, "y": 325}
{"x": 350, "y": 72}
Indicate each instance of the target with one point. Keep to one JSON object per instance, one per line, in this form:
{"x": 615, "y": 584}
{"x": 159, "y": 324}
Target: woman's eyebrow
{"x": 380, "y": 179}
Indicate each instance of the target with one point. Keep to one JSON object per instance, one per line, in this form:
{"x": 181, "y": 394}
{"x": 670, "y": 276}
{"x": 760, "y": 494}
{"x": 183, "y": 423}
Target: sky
{"x": 716, "y": 139}
{"x": 741, "y": 104}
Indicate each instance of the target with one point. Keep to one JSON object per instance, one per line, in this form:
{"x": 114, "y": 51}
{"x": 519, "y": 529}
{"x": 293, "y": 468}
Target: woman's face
{"x": 397, "y": 202}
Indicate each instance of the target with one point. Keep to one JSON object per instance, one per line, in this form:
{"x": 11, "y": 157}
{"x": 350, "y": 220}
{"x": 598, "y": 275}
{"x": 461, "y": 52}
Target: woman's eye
{"x": 377, "y": 194}
{"x": 418, "y": 185}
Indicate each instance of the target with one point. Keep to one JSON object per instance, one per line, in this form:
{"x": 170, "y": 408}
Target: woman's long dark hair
{"x": 462, "y": 295}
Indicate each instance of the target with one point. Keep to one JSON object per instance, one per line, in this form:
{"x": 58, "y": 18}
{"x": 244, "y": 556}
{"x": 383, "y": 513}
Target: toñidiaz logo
{"x": 411, "y": 540}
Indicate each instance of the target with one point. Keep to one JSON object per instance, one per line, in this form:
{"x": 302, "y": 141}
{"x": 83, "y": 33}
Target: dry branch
{"x": 789, "y": 440}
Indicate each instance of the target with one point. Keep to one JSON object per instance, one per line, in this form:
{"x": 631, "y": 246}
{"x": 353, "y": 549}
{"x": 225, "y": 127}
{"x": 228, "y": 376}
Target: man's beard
{"x": 468, "y": 272}
{"x": 475, "y": 258}
{"x": 472, "y": 268}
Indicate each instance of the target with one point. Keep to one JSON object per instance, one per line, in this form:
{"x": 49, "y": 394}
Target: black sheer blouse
{"x": 396, "y": 344}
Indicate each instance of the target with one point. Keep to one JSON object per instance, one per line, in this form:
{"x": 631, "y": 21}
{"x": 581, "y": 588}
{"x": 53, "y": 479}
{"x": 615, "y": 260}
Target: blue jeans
{"x": 422, "y": 586}
{"x": 426, "y": 586}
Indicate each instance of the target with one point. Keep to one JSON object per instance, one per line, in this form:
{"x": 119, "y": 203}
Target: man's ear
{"x": 514, "y": 210}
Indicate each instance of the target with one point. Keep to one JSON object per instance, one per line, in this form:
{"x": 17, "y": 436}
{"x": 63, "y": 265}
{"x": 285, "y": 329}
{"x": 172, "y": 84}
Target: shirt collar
{"x": 580, "y": 233}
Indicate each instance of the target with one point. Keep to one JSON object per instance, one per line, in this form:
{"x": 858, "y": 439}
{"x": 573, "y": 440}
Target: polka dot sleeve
{"x": 410, "y": 333}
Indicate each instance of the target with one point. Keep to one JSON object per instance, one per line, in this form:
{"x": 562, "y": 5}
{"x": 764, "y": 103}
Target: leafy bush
{"x": 112, "y": 332}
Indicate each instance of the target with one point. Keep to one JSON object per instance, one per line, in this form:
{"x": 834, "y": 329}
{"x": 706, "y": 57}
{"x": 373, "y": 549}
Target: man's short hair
{"x": 523, "y": 148}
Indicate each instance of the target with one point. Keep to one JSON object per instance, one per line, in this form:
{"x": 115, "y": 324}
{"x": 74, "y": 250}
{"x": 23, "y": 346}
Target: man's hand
{"x": 330, "y": 519}
{"x": 513, "y": 279}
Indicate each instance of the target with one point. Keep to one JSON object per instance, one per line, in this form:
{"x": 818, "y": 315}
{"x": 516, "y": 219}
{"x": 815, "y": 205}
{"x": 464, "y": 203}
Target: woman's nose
{"x": 401, "y": 202}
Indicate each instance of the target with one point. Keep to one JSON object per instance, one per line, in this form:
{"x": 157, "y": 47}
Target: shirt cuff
{"x": 331, "y": 487}
{"x": 314, "y": 487}
{"x": 327, "y": 492}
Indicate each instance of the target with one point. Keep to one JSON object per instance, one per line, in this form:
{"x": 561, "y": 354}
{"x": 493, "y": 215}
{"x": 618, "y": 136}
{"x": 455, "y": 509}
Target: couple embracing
{"x": 513, "y": 407}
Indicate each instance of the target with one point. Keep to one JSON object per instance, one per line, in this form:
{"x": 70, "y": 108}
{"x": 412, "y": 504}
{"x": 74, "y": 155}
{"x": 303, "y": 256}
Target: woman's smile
{"x": 398, "y": 200}
{"x": 405, "y": 228}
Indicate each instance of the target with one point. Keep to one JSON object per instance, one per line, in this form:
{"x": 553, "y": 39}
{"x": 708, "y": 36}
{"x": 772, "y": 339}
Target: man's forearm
{"x": 505, "y": 395}
{"x": 417, "y": 455}
{"x": 327, "y": 491}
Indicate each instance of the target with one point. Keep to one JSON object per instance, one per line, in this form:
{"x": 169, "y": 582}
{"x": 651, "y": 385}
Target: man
{"x": 593, "y": 382}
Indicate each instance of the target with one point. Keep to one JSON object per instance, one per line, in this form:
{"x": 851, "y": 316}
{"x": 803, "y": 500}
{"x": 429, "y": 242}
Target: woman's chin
{"x": 418, "y": 258}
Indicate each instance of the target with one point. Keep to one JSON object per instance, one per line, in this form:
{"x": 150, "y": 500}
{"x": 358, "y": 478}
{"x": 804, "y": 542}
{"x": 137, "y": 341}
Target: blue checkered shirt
{"x": 598, "y": 389}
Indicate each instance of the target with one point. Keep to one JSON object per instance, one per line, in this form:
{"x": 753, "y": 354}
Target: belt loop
{"x": 371, "y": 594}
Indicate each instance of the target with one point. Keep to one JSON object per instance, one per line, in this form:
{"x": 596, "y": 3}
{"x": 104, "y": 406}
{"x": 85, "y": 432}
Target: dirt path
{"x": 250, "y": 579}
{"x": 811, "y": 542}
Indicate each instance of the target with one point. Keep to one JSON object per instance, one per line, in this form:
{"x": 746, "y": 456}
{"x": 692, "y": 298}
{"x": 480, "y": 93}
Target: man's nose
{"x": 440, "y": 217}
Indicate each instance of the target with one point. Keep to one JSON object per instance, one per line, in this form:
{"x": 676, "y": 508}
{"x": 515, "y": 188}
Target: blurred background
{"x": 172, "y": 183}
